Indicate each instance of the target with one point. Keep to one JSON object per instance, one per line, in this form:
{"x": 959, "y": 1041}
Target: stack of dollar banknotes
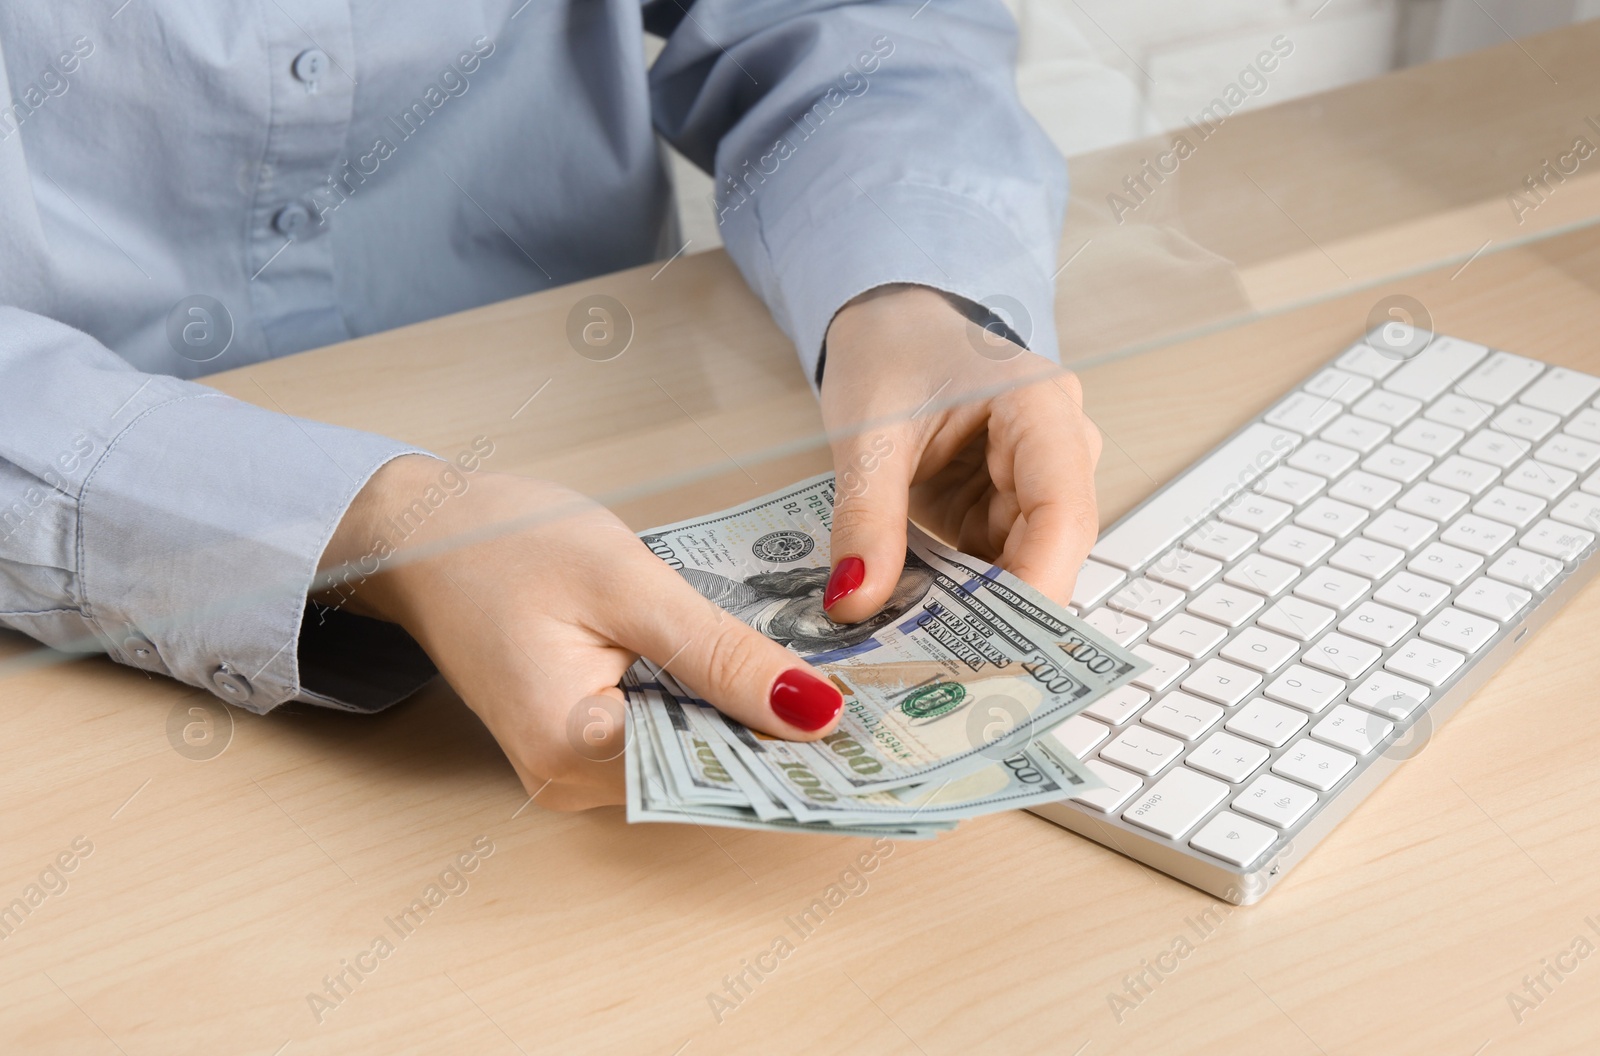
{"x": 950, "y": 693}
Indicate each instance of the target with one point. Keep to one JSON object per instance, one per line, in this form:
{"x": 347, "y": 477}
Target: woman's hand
{"x": 533, "y": 601}
{"x": 977, "y": 439}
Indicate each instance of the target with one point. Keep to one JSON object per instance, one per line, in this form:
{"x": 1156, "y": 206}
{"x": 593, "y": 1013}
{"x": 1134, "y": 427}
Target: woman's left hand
{"x": 980, "y": 441}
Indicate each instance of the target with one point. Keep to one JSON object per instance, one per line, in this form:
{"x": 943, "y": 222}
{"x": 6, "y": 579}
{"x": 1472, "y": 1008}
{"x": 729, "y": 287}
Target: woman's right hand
{"x": 533, "y": 600}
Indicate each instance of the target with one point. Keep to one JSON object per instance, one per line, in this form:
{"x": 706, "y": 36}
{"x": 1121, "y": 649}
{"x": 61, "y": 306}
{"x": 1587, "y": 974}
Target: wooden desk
{"x": 218, "y": 894}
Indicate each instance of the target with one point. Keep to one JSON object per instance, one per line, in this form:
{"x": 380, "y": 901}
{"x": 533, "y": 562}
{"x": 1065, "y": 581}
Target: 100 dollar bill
{"x": 963, "y": 668}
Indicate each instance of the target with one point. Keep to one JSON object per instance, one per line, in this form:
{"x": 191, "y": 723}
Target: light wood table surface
{"x": 218, "y": 894}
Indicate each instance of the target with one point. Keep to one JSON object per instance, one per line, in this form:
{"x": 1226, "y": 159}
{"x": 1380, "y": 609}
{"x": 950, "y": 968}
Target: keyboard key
{"x": 1332, "y": 586}
{"x": 1561, "y": 391}
{"x": 1585, "y": 425}
{"x": 1509, "y": 507}
{"x": 1397, "y": 463}
{"x": 1331, "y": 516}
{"x": 1290, "y": 485}
{"x": 1275, "y": 801}
{"x": 1118, "y": 706}
{"x": 1521, "y": 568}
{"x": 1366, "y": 557}
{"x": 1491, "y": 598}
{"x": 1266, "y": 721}
{"x": 1369, "y": 362}
{"x": 1322, "y": 458}
{"x": 1164, "y": 667}
{"x": 1236, "y": 840}
{"x": 1336, "y": 384}
{"x": 1303, "y": 688}
{"x": 1498, "y": 378}
{"x": 1466, "y": 474}
{"x": 1303, "y": 413}
{"x": 1118, "y": 626}
{"x": 1095, "y": 581}
{"x": 1527, "y": 423}
{"x": 1388, "y": 693}
{"x": 1591, "y": 484}
{"x": 1181, "y": 715}
{"x": 1427, "y": 499}
{"x": 1184, "y": 569}
{"x": 1341, "y": 655}
{"x": 1449, "y": 564}
{"x": 1390, "y": 408}
{"x": 1312, "y": 763}
{"x": 1228, "y": 757}
{"x": 1256, "y": 513}
{"x": 1264, "y": 575}
{"x": 1221, "y": 682}
{"x": 1298, "y": 545}
{"x": 1536, "y": 478}
{"x": 1398, "y": 528}
{"x": 1412, "y": 593}
{"x": 1296, "y": 617}
{"x": 1439, "y": 365}
{"x": 1459, "y": 411}
{"x": 1377, "y": 624}
{"x": 1176, "y": 803}
{"x": 1221, "y": 541}
{"x": 1262, "y": 650}
{"x": 1578, "y": 510}
{"x": 1142, "y": 750}
{"x": 1478, "y": 534}
{"x": 1080, "y": 734}
{"x": 1188, "y": 635}
{"x": 1157, "y": 524}
{"x": 1366, "y": 490}
{"x": 1120, "y": 785}
{"x": 1497, "y": 449}
{"x": 1229, "y": 606}
{"x": 1146, "y": 599}
{"x": 1459, "y": 630}
{"x": 1569, "y": 452}
{"x": 1431, "y": 438}
{"x": 1554, "y": 539}
{"x": 1360, "y": 434}
{"x": 1352, "y": 729}
{"x": 1425, "y": 662}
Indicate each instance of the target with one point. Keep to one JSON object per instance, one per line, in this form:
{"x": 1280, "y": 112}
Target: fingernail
{"x": 849, "y": 574}
{"x": 803, "y": 700}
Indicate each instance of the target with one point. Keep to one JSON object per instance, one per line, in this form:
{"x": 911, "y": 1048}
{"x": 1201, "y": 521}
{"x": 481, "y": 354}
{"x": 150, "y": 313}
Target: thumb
{"x": 872, "y": 475}
{"x": 741, "y": 672}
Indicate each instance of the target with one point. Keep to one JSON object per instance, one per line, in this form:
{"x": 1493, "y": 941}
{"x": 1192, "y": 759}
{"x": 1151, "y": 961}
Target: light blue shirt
{"x": 195, "y": 185}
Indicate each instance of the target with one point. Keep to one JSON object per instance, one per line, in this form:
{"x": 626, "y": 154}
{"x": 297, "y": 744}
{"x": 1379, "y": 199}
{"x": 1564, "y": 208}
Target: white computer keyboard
{"x": 1319, "y": 593}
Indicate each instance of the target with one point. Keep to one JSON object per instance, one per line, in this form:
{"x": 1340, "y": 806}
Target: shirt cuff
{"x": 916, "y": 234}
{"x": 199, "y": 534}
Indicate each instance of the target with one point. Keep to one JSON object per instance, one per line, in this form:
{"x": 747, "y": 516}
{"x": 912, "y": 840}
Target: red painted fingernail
{"x": 803, "y": 700}
{"x": 849, "y": 574}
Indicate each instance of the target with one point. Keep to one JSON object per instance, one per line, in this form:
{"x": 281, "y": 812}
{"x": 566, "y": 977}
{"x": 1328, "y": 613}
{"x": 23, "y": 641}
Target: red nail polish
{"x": 849, "y": 574}
{"x": 803, "y": 700}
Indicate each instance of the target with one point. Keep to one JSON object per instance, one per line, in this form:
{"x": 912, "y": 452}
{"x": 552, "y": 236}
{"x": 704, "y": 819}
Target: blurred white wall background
{"x": 1099, "y": 72}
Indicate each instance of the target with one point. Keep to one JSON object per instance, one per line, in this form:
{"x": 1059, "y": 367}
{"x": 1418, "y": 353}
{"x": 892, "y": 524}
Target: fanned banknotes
{"x": 950, "y": 692}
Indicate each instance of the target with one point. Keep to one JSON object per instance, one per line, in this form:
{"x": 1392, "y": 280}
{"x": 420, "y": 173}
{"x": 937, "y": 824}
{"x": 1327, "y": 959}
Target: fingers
{"x": 873, "y": 474}
{"x": 1044, "y": 449}
{"x": 744, "y": 674}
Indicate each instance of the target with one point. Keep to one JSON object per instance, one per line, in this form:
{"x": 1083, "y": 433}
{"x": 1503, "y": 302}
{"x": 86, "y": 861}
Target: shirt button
{"x": 231, "y": 685}
{"x": 292, "y": 219}
{"x": 310, "y": 65}
{"x": 139, "y": 648}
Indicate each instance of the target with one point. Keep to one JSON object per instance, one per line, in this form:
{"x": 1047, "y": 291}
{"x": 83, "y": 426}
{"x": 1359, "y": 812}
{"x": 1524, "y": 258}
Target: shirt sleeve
{"x": 179, "y": 530}
{"x": 859, "y": 144}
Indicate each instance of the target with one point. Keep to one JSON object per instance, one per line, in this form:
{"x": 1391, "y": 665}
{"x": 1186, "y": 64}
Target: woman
{"x": 187, "y": 188}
